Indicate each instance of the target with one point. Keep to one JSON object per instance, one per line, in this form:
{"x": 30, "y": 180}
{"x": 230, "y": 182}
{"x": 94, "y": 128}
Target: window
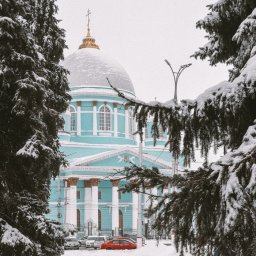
{"x": 119, "y": 195}
{"x": 77, "y": 194}
{"x": 99, "y": 219}
{"x": 160, "y": 131}
{"x": 104, "y": 118}
{"x": 130, "y": 122}
{"x": 123, "y": 242}
{"x": 78, "y": 219}
{"x": 99, "y": 194}
{"x": 121, "y": 220}
{"x": 146, "y": 131}
{"x": 72, "y": 118}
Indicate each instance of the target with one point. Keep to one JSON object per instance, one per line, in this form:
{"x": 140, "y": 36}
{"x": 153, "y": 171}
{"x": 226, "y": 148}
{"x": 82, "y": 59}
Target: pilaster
{"x": 95, "y": 206}
{"x": 78, "y": 118}
{"x": 115, "y": 207}
{"x": 87, "y": 202}
{"x": 126, "y": 122}
{"x": 94, "y": 118}
{"x": 115, "y": 120}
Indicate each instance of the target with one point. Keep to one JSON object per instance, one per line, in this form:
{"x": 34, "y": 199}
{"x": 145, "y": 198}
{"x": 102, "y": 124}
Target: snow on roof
{"x": 90, "y": 66}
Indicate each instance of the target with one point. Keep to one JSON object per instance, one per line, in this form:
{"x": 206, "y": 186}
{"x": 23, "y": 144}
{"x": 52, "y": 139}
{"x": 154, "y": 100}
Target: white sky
{"x": 140, "y": 34}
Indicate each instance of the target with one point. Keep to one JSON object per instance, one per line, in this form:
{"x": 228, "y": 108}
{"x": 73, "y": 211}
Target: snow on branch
{"x": 132, "y": 101}
{"x": 229, "y": 169}
{"x": 30, "y": 149}
{"x": 12, "y": 237}
{"x": 33, "y": 147}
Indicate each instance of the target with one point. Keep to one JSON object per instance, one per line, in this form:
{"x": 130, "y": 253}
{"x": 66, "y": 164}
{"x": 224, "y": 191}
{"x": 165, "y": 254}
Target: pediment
{"x": 120, "y": 158}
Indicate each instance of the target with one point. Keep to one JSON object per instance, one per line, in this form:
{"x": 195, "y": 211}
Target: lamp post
{"x": 176, "y": 76}
{"x": 139, "y": 220}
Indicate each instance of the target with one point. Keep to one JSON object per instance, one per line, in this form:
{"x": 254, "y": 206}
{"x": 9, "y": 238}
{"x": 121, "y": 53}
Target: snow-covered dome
{"x": 90, "y": 67}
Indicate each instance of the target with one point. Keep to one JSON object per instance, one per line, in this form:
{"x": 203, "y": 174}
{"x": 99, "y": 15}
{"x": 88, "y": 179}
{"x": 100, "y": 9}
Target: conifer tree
{"x": 33, "y": 94}
{"x": 212, "y": 210}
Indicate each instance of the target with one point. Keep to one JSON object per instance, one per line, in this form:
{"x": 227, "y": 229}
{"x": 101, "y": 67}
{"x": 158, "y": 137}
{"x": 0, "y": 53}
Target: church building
{"x": 98, "y": 140}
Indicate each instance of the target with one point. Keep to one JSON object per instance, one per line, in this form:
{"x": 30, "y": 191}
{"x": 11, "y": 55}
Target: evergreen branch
{"x": 135, "y": 102}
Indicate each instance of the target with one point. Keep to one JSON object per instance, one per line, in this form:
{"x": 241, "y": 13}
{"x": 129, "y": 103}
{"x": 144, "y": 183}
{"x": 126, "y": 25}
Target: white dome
{"x": 89, "y": 67}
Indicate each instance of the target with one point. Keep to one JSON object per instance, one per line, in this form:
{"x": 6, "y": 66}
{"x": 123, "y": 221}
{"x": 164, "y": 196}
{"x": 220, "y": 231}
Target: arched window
{"x": 72, "y": 118}
{"x": 130, "y": 122}
{"x": 78, "y": 217}
{"x": 104, "y": 118}
{"x": 160, "y": 131}
{"x": 146, "y": 131}
{"x": 99, "y": 219}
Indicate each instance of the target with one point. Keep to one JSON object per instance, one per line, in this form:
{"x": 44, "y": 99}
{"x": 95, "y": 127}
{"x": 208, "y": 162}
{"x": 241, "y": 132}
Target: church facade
{"x": 98, "y": 140}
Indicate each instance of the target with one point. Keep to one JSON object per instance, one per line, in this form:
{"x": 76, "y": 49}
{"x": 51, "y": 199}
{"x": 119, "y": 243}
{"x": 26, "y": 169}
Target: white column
{"x": 115, "y": 207}
{"x": 126, "y": 122}
{"x": 94, "y": 118}
{"x": 165, "y": 190}
{"x": 134, "y": 210}
{"x": 87, "y": 201}
{"x": 115, "y": 121}
{"x": 154, "y": 192}
{"x": 66, "y": 198}
{"x": 154, "y": 203}
{"x": 71, "y": 208}
{"x": 144, "y": 136}
{"x": 146, "y": 203}
{"x": 78, "y": 118}
{"x": 94, "y": 204}
{"x": 147, "y": 199}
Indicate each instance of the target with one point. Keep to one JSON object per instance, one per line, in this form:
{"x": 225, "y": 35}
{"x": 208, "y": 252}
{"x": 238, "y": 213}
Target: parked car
{"x": 119, "y": 244}
{"x": 127, "y": 238}
{"x": 134, "y": 238}
{"x": 82, "y": 241}
{"x": 89, "y": 242}
{"x": 99, "y": 241}
{"x": 71, "y": 243}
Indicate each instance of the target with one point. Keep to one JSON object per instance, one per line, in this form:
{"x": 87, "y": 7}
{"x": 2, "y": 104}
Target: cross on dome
{"x": 88, "y": 41}
{"x": 88, "y": 21}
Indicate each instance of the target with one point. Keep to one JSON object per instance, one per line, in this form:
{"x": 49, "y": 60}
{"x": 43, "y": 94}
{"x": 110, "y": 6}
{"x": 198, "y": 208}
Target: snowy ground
{"x": 150, "y": 249}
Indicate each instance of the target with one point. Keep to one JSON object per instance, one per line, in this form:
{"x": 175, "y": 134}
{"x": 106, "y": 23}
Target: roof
{"x": 91, "y": 67}
{"x": 88, "y": 160}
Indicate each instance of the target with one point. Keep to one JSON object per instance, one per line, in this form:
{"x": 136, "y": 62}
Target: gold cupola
{"x": 88, "y": 41}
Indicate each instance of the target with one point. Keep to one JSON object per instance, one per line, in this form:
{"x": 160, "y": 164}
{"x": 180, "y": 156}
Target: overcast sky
{"x": 140, "y": 34}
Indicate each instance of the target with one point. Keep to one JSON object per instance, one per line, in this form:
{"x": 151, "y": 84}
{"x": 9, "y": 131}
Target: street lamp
{"x": 139, "y": 220}
{"x": 176, "y": 76}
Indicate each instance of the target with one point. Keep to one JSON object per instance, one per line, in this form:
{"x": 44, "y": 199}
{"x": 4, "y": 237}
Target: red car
{"x": 119, "y": 244}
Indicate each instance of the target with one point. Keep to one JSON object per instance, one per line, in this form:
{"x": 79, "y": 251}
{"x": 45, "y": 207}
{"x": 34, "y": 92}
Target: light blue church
{"x": 98, "y": 140}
